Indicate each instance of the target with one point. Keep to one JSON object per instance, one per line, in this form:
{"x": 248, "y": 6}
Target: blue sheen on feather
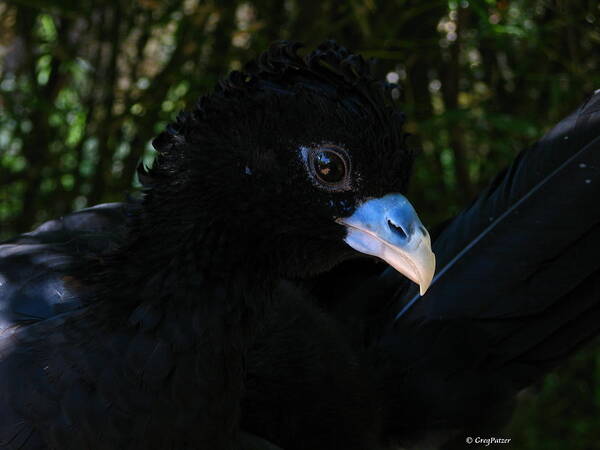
{"x": 542, "y": 193}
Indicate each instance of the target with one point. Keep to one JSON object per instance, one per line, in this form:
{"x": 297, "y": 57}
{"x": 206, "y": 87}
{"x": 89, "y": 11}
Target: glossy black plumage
{"x": 34, "y": 267}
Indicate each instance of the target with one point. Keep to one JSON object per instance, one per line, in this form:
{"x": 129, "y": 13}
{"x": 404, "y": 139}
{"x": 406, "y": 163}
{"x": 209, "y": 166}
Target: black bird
{"x": 516, "y": 293}
{"x": 287, "y": 169}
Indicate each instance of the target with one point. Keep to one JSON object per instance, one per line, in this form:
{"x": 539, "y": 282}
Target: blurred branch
{"x": 115, "y": 30}
{"x": 450, "y": 86}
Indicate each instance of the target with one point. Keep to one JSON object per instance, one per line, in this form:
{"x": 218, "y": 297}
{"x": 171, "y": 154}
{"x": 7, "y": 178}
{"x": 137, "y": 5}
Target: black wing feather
{"x": 33, "y": 265}
{"x": 518, "y": 291}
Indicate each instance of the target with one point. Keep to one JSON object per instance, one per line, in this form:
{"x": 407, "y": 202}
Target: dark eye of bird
{"x": 330, "y": 167}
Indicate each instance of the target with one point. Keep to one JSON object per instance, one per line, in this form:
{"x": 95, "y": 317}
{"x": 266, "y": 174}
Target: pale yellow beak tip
{"x": 427, "y": 270}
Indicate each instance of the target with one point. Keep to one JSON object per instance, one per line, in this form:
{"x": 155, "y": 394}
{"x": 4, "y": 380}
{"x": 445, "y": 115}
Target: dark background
{"x": 85, "y": 85}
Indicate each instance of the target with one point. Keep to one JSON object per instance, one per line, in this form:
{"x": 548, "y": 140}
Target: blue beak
{"x": 389, "y": 228}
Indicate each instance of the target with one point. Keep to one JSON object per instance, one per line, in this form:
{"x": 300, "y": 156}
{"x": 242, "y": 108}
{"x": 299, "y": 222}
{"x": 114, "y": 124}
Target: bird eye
{"x": 329, "y": 166}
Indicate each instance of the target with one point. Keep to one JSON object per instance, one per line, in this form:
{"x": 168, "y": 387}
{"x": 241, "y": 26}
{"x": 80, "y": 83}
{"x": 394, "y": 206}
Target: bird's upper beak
{"x": 389, "y": 228}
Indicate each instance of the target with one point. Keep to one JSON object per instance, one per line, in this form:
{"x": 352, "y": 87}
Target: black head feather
{"x": 233, "y": 164}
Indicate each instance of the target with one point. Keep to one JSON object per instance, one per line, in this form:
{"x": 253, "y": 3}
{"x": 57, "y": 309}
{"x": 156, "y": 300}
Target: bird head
{"x": 292, "y": 165}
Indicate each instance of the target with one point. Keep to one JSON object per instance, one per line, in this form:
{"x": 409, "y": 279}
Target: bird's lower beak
{"x": 389, "y": 228}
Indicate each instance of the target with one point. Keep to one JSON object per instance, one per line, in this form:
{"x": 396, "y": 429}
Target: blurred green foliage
{"x": 84, "y": 86}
